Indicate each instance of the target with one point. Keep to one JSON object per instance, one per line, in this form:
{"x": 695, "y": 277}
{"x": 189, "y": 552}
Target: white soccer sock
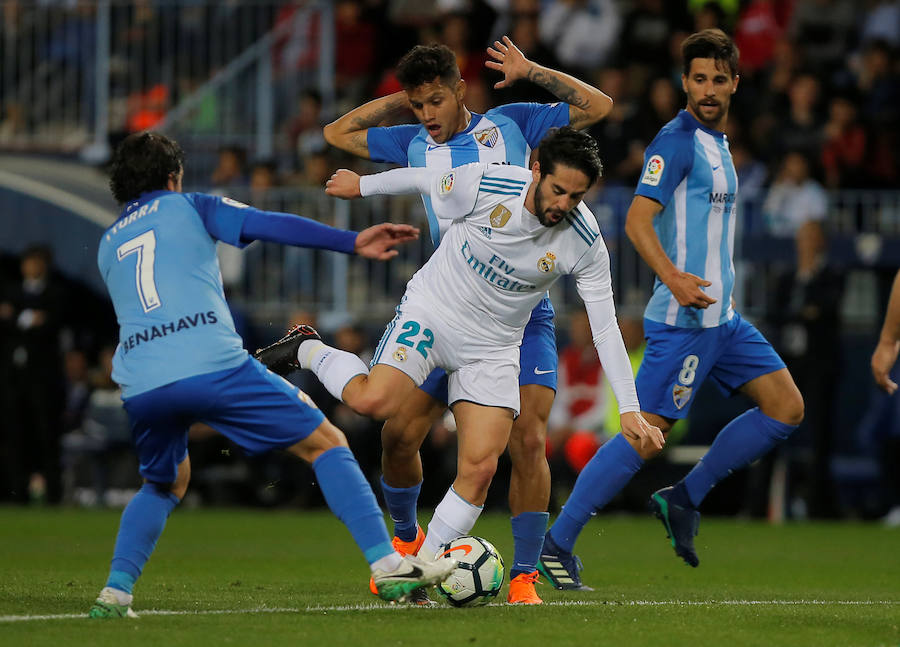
{"x": 453, "y": 517}
{"x": 387, "y": 563}
{"x": 333, "y": 367}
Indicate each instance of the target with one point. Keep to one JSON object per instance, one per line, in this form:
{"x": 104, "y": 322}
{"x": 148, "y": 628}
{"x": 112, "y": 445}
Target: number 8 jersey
{"x": 159, "y": 264}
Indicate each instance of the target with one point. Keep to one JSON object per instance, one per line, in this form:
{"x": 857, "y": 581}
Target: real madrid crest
{"x": 400, "y": 354}
{"x": 500, "y": 216}
{"x": 547, "y": 262}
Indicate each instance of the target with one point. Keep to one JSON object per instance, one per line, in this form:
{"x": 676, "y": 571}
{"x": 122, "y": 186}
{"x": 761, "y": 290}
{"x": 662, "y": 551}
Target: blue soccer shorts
{"x": 678, "y": 360}
{"x": 538, "y": 359}
{"x": 256, "y": 409}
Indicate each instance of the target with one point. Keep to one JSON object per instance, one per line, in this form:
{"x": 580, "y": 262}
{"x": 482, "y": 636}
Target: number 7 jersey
{"x": 159, "y": 263}
{"x": 497, "y": 261}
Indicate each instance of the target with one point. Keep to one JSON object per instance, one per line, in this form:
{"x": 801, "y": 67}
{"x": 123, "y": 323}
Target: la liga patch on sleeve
{"x": 653, "y": 172}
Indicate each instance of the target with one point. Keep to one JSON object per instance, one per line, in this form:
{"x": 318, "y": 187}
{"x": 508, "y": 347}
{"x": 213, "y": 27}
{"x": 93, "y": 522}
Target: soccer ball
{"x": 479, "y": 576}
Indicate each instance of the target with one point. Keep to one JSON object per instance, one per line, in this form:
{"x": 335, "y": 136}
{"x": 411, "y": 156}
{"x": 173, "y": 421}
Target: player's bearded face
{"x": 557, "y": 193}
{"x": 439, "y": 107}
{"x": 709, "y": 87}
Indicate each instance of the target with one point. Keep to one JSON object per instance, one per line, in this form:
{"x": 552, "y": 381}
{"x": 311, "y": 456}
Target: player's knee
{"x": 528, "y": 442}
{"x": 789, "y": 408}
{"x": 403, "y": 436}
{"x": 478, "y": 474}
{"x": 376, "y": 404}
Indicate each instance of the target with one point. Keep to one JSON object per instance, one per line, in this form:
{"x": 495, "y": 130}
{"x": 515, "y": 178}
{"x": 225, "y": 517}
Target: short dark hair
{"x": 573, "y": 148}
{"x": 710, "y": 43}
{"x": 143, "y": 162}
{"x": 424, "y": 63}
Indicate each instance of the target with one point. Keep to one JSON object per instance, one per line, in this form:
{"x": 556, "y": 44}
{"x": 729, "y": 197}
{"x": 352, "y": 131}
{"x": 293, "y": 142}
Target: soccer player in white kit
{"x": 514, "y": 232}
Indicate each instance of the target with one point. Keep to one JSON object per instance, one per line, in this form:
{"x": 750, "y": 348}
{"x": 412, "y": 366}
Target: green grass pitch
{"x": 256, "y": 577}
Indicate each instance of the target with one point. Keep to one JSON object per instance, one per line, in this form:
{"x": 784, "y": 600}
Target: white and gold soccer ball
{"x": 479, "y": 576}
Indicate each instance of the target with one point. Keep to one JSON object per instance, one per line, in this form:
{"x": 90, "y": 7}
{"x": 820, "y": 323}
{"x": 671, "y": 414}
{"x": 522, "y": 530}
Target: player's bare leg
{"x": 483, "y": 433}
{"x": 380, "y": 394}
{"x": 777, "y": 396}
{"x": 403, "y": 434}
{"x": 529, "y": 490}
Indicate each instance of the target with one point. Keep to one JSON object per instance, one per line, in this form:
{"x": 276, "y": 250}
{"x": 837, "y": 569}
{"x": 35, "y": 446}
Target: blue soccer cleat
{"x": 681, "y": 524}
{"x": 562, "y": 569}
{"x": 281, "y": 357}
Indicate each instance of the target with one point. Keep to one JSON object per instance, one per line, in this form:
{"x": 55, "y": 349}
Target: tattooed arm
{"x": 350, "y": 132}
{"x": 587, "y": 104}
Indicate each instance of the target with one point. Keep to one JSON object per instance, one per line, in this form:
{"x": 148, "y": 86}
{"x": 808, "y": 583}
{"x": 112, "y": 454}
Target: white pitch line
{"x": 398, "y": 607}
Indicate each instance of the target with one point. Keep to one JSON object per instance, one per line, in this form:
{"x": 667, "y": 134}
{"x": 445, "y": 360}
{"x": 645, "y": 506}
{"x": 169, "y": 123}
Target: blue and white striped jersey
{"x": 159, "y": 264}
{"x": 503, "y": 134}
{"x": 688, "y": 169}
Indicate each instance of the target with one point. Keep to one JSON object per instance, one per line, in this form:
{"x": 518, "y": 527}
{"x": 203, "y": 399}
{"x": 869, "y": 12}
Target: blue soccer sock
{"x": 141, "y": 525}
{"x": 528, "y": 530}
{"x": 351, "y": 499}
{"x": 740, "y": 442}
{"x": 401, "y": 504}
{"x": 608, "y": 471}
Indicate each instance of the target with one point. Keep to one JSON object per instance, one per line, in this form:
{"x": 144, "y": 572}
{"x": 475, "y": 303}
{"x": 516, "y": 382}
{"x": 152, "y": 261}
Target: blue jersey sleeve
{"x": 535, "y": 119}
{"x": 239, "y": 224}
{"x": 667, "y": 161}
{"x": 223, "y": 217}
{"x": 391, "y": 144}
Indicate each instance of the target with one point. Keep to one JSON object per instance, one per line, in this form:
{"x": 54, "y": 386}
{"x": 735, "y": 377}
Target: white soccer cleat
{"x": 107, "y": 606}
{"x": 412, "y": 574}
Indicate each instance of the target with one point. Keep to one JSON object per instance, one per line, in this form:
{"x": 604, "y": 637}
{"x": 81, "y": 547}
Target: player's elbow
{"x": 331, "y": 134}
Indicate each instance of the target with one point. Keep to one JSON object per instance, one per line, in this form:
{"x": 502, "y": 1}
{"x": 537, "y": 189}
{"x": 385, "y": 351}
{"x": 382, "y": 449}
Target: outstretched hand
{"x": 378, "y": 241}
{"x": 508, "y": 59}
{"x": 343, "y": 184}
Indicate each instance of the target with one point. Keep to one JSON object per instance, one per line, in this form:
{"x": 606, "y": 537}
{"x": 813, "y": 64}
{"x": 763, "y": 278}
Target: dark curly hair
{"x": 572, "y": 148}
{"x": 424, "y": 63}
{"x": 143, "y": 162}
{"x": 710, "y": 43}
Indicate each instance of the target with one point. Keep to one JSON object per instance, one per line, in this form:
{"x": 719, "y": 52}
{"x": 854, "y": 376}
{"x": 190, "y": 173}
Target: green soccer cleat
{"x": 107, "y": 606}
{"x": 412, "y": 575}
{"x": 681, "y": 524}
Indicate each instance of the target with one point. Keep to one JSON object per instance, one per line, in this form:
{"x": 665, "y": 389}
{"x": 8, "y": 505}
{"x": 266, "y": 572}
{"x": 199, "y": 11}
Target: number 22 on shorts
{"x": 410, "y": 331}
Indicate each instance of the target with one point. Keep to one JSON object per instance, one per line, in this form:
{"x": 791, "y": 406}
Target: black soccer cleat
{"x": 281, "y": 357}
{"x": 562, "y": 569}
{"x": 681, "y": 524}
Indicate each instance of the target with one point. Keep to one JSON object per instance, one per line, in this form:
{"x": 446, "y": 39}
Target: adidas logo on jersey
{"x": 486, "y": 231}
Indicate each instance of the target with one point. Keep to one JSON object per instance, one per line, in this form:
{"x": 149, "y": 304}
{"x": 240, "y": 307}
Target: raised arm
{"x": 587, "y": 104}
{"x": 639, "y": 227}
{"x": 885, "y": 354}
{"x": 350, "y": 132}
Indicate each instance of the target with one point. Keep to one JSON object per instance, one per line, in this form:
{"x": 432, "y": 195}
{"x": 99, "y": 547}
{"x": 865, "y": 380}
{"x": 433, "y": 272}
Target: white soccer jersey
{"x": 497, "y": 261}
{"x": 494, "y": 264}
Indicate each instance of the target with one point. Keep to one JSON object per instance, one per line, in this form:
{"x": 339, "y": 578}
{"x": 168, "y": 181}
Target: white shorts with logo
{"x": 416, "y": 341}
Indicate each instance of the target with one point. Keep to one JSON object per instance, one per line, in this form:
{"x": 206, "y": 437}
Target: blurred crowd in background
{"x": 816, "y": 111}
